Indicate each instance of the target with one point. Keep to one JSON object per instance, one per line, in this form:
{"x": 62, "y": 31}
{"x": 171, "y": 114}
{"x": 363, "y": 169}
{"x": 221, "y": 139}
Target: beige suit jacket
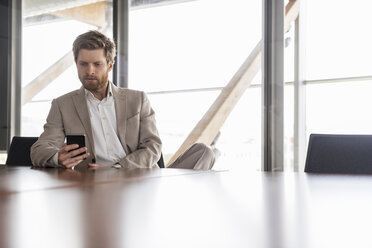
{"x": 137, "y": 130}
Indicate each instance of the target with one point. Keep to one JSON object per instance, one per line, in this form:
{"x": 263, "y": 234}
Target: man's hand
{"x": 92, "y": 166}
{"x": 67, "y": 158}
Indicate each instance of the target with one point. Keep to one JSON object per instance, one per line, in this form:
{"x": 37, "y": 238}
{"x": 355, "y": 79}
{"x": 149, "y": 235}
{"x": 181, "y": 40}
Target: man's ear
{"x": 111, "y": 65}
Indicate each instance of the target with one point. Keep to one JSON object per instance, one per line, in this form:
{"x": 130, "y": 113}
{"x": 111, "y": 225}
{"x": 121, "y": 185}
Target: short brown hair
{"x": 92, "y": 40}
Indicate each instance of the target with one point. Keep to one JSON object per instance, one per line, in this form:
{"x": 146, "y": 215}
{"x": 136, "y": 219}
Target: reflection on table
{"x": 181, "y": 208}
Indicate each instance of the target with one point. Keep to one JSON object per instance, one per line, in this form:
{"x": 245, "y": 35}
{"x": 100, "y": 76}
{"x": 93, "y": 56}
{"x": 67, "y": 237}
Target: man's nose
{"x": 90, "y": 70}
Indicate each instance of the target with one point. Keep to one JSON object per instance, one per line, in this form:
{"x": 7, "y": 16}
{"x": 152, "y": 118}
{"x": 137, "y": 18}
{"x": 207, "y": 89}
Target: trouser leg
{"x": 197, "y": 157}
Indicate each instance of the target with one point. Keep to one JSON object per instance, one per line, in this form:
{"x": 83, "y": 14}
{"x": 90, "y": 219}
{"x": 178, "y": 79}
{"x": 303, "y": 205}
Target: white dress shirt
{"x": 108, "y": 148}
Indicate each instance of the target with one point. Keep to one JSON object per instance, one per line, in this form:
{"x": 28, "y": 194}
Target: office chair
{"x": 161, "y": 162}
{"x": 347, "y": 154}
{"x": 19, "y": 151}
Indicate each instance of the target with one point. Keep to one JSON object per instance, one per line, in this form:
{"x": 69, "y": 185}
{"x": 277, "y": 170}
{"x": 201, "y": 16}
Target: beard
{"x": 94, "y": 83}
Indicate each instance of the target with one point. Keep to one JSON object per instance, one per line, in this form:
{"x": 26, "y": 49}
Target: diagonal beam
{"x": 93, "y": 14}
{"x": 45, "y": 78}
{"x": 208, "y": 127}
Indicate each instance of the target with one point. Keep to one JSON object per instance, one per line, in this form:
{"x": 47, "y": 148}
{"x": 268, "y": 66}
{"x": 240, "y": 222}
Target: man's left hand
{"x": 92, "y": 166}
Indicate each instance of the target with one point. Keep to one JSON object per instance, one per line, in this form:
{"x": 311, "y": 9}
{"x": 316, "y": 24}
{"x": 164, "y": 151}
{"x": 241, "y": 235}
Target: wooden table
{"x": 182, "y": 208}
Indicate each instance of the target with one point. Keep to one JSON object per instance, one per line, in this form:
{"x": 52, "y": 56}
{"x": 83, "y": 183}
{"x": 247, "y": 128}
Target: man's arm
{"x": 149, "y": 145}
{"x": 51, "y": 140}
{"x": 50, "y": 150}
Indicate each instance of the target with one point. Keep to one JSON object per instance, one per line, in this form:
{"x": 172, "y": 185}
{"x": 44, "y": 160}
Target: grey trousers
{"x": 198, "y": 157}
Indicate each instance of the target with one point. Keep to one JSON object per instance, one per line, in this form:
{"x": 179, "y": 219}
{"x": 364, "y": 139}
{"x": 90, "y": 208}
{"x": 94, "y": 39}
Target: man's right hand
{"x": 66, "y": 155}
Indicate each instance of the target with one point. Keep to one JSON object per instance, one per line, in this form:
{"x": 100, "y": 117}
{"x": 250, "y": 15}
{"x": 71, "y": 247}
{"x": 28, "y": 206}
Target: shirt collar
{"x": 91, "y": 96}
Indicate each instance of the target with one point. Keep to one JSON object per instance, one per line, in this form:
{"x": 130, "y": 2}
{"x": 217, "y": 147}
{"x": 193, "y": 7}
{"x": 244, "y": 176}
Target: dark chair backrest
{"x": 19, "y": 151}
{"x": 347, "y": 154}
{"x": 161, "y": 162}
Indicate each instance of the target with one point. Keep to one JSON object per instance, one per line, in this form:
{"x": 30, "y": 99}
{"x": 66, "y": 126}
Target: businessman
{"x": 119, "y": 124}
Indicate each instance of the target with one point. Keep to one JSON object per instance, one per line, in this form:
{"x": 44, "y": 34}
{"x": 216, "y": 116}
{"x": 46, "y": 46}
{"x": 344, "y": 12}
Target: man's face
{"x": 93, "y": 69}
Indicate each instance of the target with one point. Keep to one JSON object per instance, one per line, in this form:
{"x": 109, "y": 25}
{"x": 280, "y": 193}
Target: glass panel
{"x": 49, "y": 29}
{"x": 338, "y": 39}
{"x": 195, "y": 45}
{"x": 174, "y": 123}
{"x": 240, "y": 141}
{"x": 339, "y": 108}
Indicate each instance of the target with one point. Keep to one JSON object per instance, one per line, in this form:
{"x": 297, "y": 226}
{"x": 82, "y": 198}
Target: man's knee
{"x": 206, "y": 156}
{"x": 198, "y": 157}
{"x": 199, "y": 147}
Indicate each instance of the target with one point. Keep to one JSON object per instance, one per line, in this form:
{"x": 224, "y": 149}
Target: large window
{"x": 182, "y": 55}
{"x": 338, "y": 39}
{"x": 338, "y": 67}
{"x": 48, "y": 70}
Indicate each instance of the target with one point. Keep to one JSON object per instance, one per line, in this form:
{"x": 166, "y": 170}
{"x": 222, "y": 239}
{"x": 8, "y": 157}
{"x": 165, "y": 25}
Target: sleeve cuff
{"x": 53, "y": 161}
{"x": 117, "y": 166}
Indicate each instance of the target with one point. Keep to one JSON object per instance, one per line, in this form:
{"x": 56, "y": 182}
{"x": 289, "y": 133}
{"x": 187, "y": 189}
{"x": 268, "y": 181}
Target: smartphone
{"x": 76, "y": 139}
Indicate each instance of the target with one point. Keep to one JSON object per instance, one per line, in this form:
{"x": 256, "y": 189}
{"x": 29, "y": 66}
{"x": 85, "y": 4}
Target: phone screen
{"x": 76, "y": 139}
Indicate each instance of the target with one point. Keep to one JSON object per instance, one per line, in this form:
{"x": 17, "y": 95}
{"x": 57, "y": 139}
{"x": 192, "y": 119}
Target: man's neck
{"x": 101, "y": 94}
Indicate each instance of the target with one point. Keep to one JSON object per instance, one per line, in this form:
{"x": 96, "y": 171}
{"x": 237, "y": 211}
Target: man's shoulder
{"x": 68, "y": 95}
{"x": 130, "y": 93}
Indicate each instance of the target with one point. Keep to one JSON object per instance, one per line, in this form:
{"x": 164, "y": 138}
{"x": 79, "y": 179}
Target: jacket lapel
{"x": 83, "y": 112}
{"x": 121, "y": 114}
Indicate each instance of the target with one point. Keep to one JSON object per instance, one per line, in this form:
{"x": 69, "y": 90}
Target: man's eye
{"x": 97, "y": 64}
{"x": 83, "y": 64}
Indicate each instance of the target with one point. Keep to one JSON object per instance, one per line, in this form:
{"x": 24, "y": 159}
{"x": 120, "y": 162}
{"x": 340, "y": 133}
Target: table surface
{"x": 182, "y": 208}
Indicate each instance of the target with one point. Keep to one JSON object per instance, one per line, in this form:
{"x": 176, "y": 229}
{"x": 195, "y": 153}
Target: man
{"x": 119, "y": 124}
